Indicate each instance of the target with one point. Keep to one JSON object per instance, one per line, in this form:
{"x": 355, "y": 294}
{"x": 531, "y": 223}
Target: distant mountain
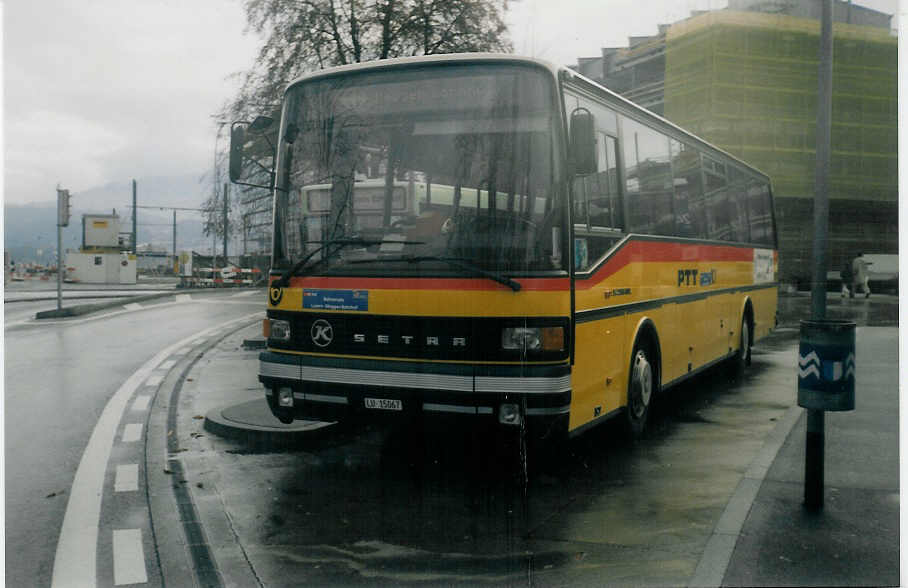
{"x": 30, "y": 231}
{"x": 183, "y": 191}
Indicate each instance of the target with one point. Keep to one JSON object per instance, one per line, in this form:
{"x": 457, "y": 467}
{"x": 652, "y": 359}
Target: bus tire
{"x": 641, "y": 389}
{"x": 742, "y": 356}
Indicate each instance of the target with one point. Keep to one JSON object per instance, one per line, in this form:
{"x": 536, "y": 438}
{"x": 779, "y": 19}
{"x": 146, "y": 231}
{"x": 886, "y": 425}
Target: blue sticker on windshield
{"x": 336, "y": 299}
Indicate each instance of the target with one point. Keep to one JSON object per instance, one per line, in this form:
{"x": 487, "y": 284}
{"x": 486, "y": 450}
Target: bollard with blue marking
{"x": 826, "y": 365}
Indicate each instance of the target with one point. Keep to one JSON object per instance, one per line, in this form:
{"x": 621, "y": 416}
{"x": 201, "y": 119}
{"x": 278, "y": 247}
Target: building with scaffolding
{"x": 745, "y": 79}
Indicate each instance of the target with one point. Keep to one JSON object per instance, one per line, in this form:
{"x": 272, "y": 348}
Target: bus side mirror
{"x": 237, "y": 142}
{"x": 583, "y": 142}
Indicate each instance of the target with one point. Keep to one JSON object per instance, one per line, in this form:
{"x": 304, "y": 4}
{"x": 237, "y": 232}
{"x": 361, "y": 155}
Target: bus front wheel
{"x": 640, "y": 390}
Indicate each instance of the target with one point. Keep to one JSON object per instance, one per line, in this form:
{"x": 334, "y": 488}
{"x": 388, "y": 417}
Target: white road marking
{"x": 154, "y": 379}
{"x": 141, "y": 402}
{"x": 129, "y": 559}
{"x": 133, "y": 306}
{"x": 127, "y": 479}
{"x": 183, "y": 298}
{"x": 167, "y": 365}
{"x": 182, "y": 351}
{"x": 132, "y": 433}
{"x": 77, "y": 547}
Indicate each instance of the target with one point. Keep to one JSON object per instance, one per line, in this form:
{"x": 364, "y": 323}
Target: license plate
{"x": 384, "y": 403}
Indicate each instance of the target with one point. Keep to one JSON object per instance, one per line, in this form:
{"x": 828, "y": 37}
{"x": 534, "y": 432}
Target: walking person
{"x": 845, "y": 274}
{"x": 860, "y": 276}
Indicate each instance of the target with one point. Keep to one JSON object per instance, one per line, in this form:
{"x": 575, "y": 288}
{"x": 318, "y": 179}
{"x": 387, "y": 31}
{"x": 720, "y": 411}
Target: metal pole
{"x": 135, "y": 237}
{"x": 59, "y": 263}
{"x": 174, "y": 261}
{"x": 225, "y": 223}
{"x": 813, "y": 463}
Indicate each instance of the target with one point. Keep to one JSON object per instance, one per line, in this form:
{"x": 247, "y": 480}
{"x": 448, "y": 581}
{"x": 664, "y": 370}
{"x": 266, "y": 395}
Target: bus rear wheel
{"x": 640, "y": 390}
{"x": 744, "y": 349}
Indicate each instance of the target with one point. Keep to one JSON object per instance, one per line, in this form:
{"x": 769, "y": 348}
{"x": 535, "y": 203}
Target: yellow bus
{"x": 494, "y": 240}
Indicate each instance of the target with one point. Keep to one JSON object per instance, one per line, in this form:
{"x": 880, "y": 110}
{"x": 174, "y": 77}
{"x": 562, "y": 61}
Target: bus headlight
{"x": 280, "y": 330}
{"x": 533, "y": 338}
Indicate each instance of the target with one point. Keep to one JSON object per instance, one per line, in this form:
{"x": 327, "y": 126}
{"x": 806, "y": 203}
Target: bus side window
{"x": 649, "y": 180}
{"x": 737, "y": 205}
{"x": 759, "y": 212}
{"x": 690, "y": 213}
{"x": 718, "y": 217}
{"x": 604, "y": 205}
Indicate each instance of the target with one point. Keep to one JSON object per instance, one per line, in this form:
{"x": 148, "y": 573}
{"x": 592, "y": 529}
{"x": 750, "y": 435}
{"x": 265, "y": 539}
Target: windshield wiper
{"x": 453, "y": 261}
{"x": 339, "y": 244}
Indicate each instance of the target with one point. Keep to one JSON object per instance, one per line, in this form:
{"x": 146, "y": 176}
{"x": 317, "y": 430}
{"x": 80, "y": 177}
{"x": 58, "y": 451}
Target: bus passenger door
{"x": 597, "y": 383}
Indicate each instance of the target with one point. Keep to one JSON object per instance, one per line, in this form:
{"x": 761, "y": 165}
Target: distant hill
{"x": 183, "y": 191}
{"x": 30, "y": 231}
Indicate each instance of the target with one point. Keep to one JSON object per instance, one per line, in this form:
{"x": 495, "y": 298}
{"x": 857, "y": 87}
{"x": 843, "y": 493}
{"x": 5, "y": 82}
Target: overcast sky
{"x": 99, "y": 91}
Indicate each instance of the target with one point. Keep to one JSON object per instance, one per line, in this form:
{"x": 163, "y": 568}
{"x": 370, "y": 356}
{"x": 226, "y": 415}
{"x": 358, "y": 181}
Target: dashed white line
{"x": 182, "y": 351}
{"x": 75, "y": 562}
{"x": 183, "y": 298}
{"x": 167, "y": 365}
{"x": 133, "y": 306}
{"x": 129, "y": 559}
{"x": 154, "y": 379}
{"x": 141, "y": 403}
{"x": 132, "y": 432}
{"x": 127, "y": 478}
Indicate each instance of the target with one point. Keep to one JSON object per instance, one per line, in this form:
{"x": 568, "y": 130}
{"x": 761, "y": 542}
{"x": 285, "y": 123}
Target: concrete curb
{"x": 187, "y": 553}
{"x": 73, "y": 295}
{"x": 721, "y": 544}
{"x": 252, "y": 424}
{"x": 83, "y": 309}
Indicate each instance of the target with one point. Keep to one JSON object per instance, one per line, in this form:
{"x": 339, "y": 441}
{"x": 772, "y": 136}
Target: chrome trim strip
{"x": 549, "y": 411}
{"x": 469, "y": 384}
{"x": 322, "y": 398}
{"x": 449, "y": 408}
{"x": 388, "y": 379}
{"x": 287, "y": 371}
{"x": 484, "y": 410}
{"x": 523, "y": 385}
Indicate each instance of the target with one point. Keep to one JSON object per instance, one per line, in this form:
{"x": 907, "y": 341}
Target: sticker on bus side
{"x": 336, "y": 299}
{"x": 762, "y": 266}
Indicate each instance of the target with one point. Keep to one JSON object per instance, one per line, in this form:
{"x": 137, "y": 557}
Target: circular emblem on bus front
{"x": 275, "y": 295}
{"x": 322, "y": 333}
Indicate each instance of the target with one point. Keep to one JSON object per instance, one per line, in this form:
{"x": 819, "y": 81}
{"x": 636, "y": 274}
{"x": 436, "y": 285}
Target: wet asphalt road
{"x": 58, "y": 378}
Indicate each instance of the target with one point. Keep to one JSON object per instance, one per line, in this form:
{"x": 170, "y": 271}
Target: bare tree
{"x": 308, "y": 35}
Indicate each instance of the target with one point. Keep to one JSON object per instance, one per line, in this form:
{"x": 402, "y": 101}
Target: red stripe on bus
{"x": 462, "y": 284}
{"x": 661, "y": 251}
{"x": 635, "y": 251}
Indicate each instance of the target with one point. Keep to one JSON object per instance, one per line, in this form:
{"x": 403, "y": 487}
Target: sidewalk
{"x": 854, "y": 539}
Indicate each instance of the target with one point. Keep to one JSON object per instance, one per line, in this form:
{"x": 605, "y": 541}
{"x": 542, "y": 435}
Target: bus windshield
{"x": 405, "y": 170}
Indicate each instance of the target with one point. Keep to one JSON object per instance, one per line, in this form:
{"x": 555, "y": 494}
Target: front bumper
{"x": 463, "y": 394}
